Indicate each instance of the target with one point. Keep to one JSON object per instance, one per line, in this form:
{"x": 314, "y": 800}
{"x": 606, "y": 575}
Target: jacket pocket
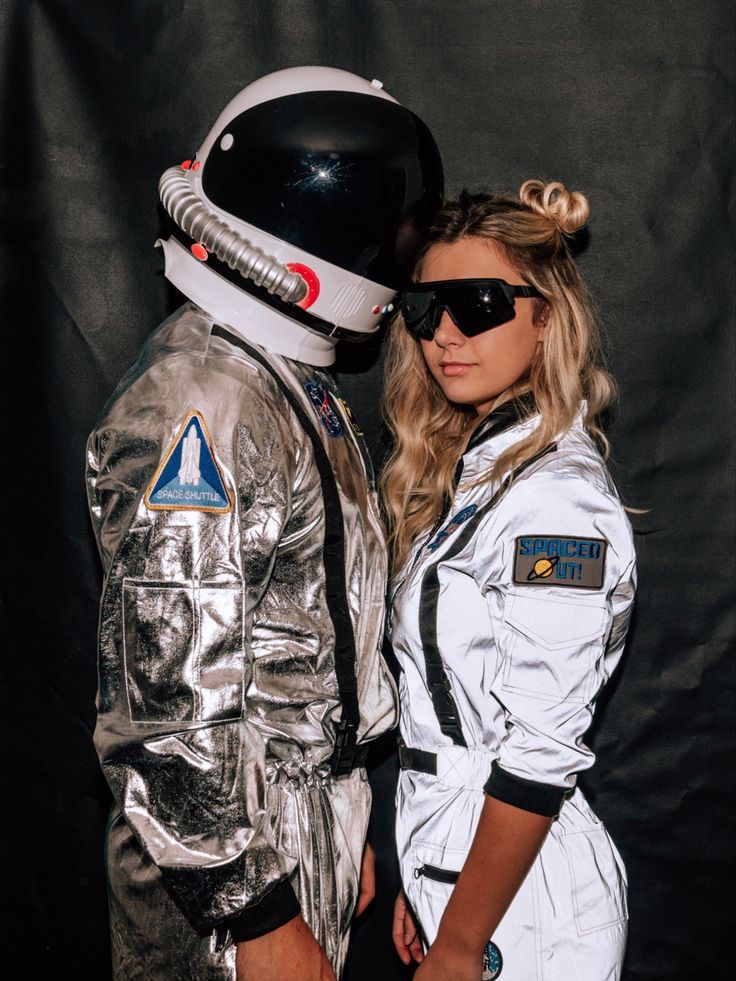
{"x": 598, "y": 880}
{"x": 436, "y": 874}
{"x": 436, "y": 867}
{"x": 550, "y": 646}
{"x": 184, "y": 650}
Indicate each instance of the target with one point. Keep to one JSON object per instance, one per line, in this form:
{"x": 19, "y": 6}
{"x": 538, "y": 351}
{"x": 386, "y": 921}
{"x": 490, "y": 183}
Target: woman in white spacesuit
{"x": 514, "y": 575}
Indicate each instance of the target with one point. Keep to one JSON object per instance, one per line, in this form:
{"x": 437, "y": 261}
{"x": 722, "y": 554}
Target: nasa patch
{"x": 319, "y": 396}
{"x": 452, "y": 526}
{"x": 551, "y": 560}
{"x": 189, "y": 479}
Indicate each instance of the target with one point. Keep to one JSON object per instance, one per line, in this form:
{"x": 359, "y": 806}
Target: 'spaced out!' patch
{"x": 189, "y": 478}
{"x": 549, "y": 560}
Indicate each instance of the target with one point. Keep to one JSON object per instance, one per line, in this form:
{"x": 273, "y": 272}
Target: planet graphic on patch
{"x": 542, "y": 568}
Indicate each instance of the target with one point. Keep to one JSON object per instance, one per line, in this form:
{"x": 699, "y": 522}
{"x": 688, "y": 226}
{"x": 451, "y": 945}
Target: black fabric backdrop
{"x": 630, "y": 102}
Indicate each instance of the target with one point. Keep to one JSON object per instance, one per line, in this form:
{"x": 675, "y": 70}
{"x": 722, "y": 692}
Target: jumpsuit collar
{"x": 504, "y": 417}
{"x": 504, "y": 420}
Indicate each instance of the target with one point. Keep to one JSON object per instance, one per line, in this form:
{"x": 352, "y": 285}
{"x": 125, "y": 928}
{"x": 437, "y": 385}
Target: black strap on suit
{"x": 437, "y": 680}
{"x": 346, "y": 754}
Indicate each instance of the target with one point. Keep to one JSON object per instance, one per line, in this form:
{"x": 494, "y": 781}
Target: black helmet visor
{"x": 333, "y": 173}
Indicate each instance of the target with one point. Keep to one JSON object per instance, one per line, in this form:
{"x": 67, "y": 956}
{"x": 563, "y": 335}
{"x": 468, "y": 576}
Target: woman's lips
{"x": 454, "y": 368}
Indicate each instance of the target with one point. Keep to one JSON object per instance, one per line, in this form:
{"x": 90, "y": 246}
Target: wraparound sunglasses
{"x": 475, "y": 305}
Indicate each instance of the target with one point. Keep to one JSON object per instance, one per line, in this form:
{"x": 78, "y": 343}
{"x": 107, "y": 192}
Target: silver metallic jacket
{"x": 218, "y": 700}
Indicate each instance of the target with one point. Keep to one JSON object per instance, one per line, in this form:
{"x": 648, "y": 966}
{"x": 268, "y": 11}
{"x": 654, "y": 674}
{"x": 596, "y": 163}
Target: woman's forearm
{"x": 506, "y": 843}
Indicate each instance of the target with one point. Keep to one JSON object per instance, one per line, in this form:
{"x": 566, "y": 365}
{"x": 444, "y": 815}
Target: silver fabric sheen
{"x": 217, "y": 692}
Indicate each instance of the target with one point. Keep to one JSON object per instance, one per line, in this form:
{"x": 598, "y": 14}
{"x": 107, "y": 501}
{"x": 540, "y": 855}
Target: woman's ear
{"x": 540, "y": 321}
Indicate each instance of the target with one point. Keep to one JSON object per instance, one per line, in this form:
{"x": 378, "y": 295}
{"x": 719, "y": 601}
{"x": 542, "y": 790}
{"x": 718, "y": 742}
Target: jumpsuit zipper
{"x": 436, "y": 874}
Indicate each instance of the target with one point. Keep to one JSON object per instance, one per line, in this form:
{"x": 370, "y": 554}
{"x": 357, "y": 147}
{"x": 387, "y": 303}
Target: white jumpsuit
{"x": 513, "y": 612}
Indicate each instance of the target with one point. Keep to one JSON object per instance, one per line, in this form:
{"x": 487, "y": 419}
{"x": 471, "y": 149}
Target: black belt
{"x": 417, "y": 759}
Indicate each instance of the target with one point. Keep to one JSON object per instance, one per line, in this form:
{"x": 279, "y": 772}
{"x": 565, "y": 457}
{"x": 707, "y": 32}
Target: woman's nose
{"x": 447, "y": 332}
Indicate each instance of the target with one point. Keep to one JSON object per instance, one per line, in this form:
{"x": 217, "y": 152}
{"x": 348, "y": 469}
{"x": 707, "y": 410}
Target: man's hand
{"x": 367, "y": 879}
{"x": 405, "y": 933}
{"x": 290, "y": 951}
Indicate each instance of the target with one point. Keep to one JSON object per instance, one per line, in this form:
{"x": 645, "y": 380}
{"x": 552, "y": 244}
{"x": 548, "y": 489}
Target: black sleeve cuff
{"x": 539, "y": 798}
{"x": 277, "y": 907}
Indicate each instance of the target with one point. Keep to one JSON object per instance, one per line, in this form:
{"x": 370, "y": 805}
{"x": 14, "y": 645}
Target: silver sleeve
{"x": 180, "y": 743}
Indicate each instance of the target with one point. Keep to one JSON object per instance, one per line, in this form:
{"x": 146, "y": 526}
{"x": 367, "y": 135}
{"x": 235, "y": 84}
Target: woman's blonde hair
{"x": 430, "y": 433}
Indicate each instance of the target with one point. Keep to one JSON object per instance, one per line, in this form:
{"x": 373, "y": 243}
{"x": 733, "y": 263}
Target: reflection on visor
{"x": 332, "y": 173}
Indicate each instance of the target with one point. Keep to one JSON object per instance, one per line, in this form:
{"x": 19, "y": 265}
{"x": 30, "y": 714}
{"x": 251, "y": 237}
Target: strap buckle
{"x": 345, "y": 751}
{"x": 421, "y": 760}
{"x": 446, "y": 711}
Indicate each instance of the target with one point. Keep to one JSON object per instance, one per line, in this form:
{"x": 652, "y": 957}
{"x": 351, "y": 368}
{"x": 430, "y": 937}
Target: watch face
{"x": 333, "y": 173}
{"x": 492, "y": 962}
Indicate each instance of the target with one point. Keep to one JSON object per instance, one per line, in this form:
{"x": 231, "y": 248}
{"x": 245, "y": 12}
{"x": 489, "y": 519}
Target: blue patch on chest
{"x": 452, "y": 526}
{"x": 319, "y": 396}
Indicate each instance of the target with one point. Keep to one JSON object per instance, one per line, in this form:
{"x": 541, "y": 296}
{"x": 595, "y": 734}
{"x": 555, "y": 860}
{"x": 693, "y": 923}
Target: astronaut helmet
{"x": 296, "y": 220}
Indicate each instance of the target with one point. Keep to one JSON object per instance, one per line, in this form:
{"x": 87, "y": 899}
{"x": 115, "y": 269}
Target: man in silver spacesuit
{"x": 233, "y": 503}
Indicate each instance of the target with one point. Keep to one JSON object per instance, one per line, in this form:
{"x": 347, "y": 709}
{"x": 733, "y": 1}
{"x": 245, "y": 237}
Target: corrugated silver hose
{"x": 196, "y": 220}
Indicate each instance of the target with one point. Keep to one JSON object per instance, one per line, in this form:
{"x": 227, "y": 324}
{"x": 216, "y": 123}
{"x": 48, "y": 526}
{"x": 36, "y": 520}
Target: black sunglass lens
{"x": 476, "y": 309}
{"x": 418, "y": 311}
{"x": 415, "y": 306}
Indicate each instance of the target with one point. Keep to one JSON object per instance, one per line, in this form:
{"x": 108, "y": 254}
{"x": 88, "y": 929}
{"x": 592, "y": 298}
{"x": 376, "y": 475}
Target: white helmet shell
{"x": 294, "y": 201}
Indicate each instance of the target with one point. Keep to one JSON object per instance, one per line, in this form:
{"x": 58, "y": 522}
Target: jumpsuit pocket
{"x": 551, "y": 645}
{"x": 184, "y": 651}
{"x": 436, "y": 874}
{"x": 435, "y": 868}
{"x": 598, "y": 880}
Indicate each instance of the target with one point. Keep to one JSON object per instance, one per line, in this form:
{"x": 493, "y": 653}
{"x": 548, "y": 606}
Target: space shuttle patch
{"x": 189, "y": 478}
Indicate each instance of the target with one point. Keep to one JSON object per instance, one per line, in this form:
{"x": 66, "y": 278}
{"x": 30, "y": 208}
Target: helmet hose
{"x": 197, "y": 221}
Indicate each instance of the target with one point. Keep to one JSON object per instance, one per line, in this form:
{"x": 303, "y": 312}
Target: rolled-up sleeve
{"x": 561, "y": 602}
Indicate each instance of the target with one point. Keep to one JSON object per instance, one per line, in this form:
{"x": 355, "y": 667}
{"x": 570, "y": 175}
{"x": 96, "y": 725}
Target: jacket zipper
{"x": 436, "y": 874}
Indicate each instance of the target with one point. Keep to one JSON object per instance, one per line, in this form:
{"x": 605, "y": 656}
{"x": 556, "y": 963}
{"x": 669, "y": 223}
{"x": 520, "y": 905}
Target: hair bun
{"x": 569, "y": 210}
